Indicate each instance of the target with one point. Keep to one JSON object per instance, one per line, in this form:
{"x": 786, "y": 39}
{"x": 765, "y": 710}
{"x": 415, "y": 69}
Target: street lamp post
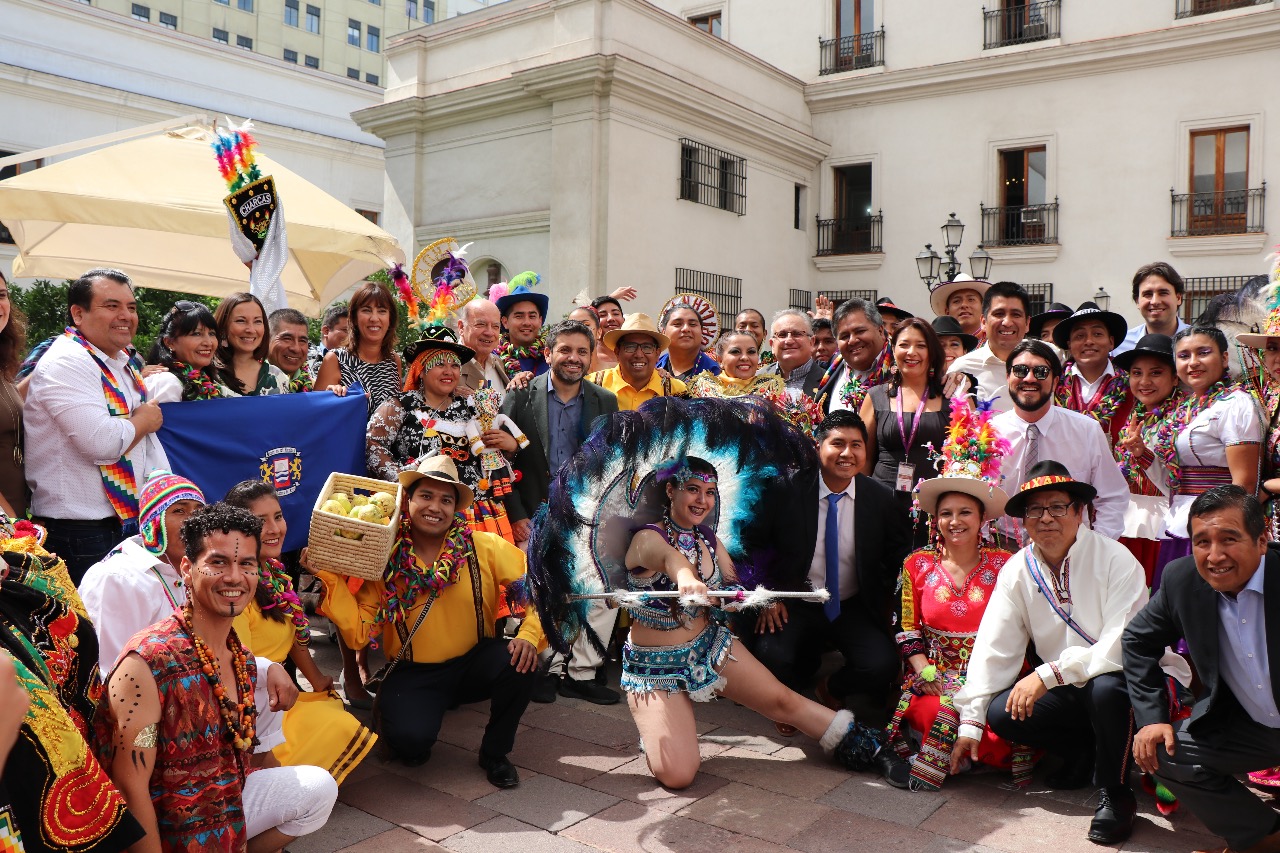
{"x": 933, "y": 270}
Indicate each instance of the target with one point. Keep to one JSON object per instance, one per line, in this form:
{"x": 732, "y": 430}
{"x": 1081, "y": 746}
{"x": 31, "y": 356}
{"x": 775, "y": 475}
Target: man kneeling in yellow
{"x": 436, "y": 615}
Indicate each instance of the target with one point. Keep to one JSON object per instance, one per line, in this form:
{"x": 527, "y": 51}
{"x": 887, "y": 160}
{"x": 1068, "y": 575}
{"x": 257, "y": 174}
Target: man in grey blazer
{"x": 480, "y": 329}
{"x": 556, "y": 411}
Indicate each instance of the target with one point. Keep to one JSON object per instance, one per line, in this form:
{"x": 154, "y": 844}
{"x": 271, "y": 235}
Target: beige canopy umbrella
{"x": 153, "y": 208}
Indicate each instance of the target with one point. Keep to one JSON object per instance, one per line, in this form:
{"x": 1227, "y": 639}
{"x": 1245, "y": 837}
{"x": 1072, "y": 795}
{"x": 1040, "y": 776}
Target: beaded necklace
{"x": 196, "y": 383}
{"x": 1180, "y": 417}
{"x": 510, "y": 354}
{"x": 273, "y": 576}
{"x": 405, "y": 582}
{"x": 237, "y": 715}
{"x": 1106, "y": 400}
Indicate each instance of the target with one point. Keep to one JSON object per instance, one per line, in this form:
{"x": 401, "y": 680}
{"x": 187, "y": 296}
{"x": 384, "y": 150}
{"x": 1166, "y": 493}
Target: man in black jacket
{"x": 861, "y": 537}
{"x": 555, "y": 411}
{"x": 1225, "y": 600}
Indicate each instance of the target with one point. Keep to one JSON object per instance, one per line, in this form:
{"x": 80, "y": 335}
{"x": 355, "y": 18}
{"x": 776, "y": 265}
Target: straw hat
{"x": 939, "y": 295}
{"x": 636, "y": 324}
{"x": 442, "y": 470}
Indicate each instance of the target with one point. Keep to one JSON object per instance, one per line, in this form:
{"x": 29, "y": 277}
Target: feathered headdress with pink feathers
{"x": 969, "y": 461}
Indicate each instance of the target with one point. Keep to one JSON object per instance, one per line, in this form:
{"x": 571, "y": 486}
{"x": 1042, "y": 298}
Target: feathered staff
{"x": 234, "y": 150}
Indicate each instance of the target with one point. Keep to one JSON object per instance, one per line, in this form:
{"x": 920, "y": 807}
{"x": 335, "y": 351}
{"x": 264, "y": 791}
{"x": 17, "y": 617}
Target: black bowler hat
{"x": 1055, "y": 311}
{"x": 950, "y": 327}
{"x": 885, "y": 306}
{"x": 1157, "y": 346}
{"x": 1048, "y": 476}
{"x": 1115, "y": 323}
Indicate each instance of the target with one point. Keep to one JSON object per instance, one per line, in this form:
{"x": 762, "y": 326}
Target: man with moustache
{"x": 1006, "y": 310}
{"x": 636, "y": 380}
{"x": 480, "y": 327}
{"x": 1224, "y": 600}
{"x": 289, "y": 343}
{"x": 863, "y": 360}
{"x": 1037, "y": 430}
{"x": 791, "y": 339}
{"x": 556, "y": 411}
{"x": 1158, "y": 291}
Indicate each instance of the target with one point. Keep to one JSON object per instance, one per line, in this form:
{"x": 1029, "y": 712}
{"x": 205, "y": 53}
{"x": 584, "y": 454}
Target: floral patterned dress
{"x": 941, "y": 621}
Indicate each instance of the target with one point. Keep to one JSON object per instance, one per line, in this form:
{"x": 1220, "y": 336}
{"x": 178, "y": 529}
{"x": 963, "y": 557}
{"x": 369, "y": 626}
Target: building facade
{"x": 763, "y": 158}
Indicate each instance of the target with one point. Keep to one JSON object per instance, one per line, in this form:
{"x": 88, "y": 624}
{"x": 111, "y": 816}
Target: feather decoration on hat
{"x": 1253, "y": 309}
{"x": 403, "y": 288}
{"x": 499, "y": 290}
{"x": 583, "y": 298}
{"x": 972, "y": 448}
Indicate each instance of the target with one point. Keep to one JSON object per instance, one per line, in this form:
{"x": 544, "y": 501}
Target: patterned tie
{"x": 832, "y": 605}
{"x": 1032, "y": 454}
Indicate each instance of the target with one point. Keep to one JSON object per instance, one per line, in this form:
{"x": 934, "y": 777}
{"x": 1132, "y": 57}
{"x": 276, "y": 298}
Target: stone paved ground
{"x": 585, "y": 788}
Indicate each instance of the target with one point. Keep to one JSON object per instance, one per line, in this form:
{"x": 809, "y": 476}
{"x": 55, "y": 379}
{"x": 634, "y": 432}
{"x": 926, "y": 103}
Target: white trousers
{"x": 294, "y": 800}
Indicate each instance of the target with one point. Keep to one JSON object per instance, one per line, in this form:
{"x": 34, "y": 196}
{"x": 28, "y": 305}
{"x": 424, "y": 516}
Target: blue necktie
{"x": 832, "y": 605}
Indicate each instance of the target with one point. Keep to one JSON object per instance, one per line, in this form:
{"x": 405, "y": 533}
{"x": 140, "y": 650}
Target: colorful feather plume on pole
{"x": 403, "y": 288}
{"x": 972, "y": 448}
{"x": 234, "y": 150}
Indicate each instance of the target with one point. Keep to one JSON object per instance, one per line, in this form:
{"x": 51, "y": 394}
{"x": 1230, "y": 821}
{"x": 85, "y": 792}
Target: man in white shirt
{"x": 1093, "y": 385}
{"x": 480, "y": 328}
{"x": 1068, "y": 596}
{"x": 90, "y": 432}
{"x": 1006, "y": 318}
{"x": 1158, "y": 291}
{"x": 1037, "y": 429}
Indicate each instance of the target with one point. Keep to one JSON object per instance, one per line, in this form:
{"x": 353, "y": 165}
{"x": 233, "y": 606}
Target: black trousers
{"x": 794, "y": 654}
{"x": 1203, "y": 769}
{"x": 81, "y": 543}
{"x": 413, "y": 700}
{"x": 1068, "y": 720}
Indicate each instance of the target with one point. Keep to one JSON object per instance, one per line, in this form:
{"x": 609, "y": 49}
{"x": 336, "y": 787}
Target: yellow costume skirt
{"x": 319, "y": 731}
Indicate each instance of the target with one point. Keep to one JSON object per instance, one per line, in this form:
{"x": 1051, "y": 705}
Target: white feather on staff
{"x": 740, "y": 599}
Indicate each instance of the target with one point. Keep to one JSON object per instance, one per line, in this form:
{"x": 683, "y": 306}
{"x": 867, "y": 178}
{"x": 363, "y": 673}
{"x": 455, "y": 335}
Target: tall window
{"x": 291, "y": 13}
{"x": 852, "y": 227}
{"x": 353, "y": 32}
{"x": 168, "y": 21}
{"x": 708, "y": 23}
{"x": 411, "y": 9}
{"x": 854, "y": 17}
{"x": 712, "y": 177}
{"x": 428, "y": 11}
{"x": 244, "y": 42}
{"x": 313, "y": 19}
{"x": 373, "y": 39}
{"x": 141, "y": 13}
{"x": 1023, "y": 214}
{"x": 221, "y": 36}
{"x": 1219, "y": 180}
{"x": 245, "y": 5}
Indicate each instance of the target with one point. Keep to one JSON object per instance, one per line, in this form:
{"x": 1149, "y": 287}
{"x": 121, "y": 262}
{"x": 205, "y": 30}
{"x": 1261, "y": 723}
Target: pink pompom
{"x": 498, "y": 291}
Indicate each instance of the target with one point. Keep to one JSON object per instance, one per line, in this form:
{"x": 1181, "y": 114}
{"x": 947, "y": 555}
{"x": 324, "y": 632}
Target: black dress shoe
{"x": 588, "y": 690}
{"x": 500, "y": 772}
{"x": 1076, "y": 772}
{"x": 892, "y": 767}
{"x": 1113, "y": 819}
{"x": 544, "y": 690}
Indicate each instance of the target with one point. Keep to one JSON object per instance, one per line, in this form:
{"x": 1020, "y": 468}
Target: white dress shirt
{"x": 1242, "y": 640}
{"x": 1087, "y": 388}
{"x": 125, "y": 592}
{"x": 1135, "y": 334}
{"x": 989, "y": 370}
{"x": 848, "y": 564}
{"x": 1235, "y": 419}
{"x": 1107, "y": 588}
{"x": 1076, "y": 441}
{"x": 69, "y": 433}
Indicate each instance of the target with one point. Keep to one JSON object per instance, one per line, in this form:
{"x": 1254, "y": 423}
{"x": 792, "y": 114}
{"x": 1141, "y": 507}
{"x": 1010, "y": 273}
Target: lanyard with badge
{"x": 907, "y": 471}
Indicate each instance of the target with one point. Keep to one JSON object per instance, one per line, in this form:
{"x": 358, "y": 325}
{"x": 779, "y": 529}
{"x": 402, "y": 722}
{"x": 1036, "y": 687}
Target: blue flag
{"x": 292, "y": 441}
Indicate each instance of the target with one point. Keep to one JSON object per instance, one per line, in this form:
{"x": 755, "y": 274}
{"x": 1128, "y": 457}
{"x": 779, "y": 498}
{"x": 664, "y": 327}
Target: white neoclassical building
{"x": 763, "y": 152}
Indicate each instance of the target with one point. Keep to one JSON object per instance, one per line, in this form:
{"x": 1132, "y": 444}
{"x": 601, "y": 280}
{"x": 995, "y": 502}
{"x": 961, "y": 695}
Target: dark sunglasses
{"x": 1040, "y": 371}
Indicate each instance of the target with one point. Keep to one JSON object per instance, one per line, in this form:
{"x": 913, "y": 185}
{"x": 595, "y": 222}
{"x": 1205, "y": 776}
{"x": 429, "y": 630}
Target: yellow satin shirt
{"x": 629, "y": 399}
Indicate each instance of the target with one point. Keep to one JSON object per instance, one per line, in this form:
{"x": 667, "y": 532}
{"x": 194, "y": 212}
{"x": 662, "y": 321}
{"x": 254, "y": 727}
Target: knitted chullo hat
{"x": 161, "y": 491}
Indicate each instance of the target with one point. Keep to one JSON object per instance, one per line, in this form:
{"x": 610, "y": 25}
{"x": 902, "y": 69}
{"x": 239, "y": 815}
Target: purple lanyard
{"x": 915, "y": 424}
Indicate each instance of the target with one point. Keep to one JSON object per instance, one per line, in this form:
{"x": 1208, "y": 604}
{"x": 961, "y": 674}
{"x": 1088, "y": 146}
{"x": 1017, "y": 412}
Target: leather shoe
{"x": 500, "y": 772}
{"x": 892, "y": 767}
{"x": 822, "y": 691}
{"x": 544, "y": 690}
{"x": 1076, "y": 772}
{"x": 589, "y": 691}
{"x": 1113, "y": 819}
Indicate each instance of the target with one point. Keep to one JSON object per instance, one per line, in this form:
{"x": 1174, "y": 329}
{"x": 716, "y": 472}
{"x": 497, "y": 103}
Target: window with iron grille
{"x": 1221, "y": 200}
{"x": 168, "y": 21}
{"x": 1190, "y": 8}
{"x": 722, "y": 291}
{"x": 801, "y": 300}
{"x": 1041, "y": 294}
{"x": 353, "y": 32}
{"x": 312, "y": 62}
{"x": 221, "y": 36}
{"x": 713, "y": 177}
{"x": 291, "y": 56}
{"x": 373, "y": 39}
{"x": 1024, "y": 215}
{"x": 141, "y": 13}
{"x": 1021, "y": 22}
{"x": 291, "y": 10}
{"x": 313, "y": 19}
{"x": 1201, "y": 289}
{"x": 839, "y": 297}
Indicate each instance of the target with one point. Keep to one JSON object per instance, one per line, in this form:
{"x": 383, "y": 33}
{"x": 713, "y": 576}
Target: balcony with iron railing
{"x": 857, "y": 236}
{"x": 1212, "y": 214}
{"x": 850, "y": 53}
{"x": 1021, "y": 24}
{"x": 1020, "y": 225}
{"x": 1191, "y": 8}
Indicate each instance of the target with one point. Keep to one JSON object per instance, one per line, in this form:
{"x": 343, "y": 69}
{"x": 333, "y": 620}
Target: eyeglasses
{"x": 784, "y": 335}
{"x": 1055, "y": 510}
{"x": 631, "y": 348}
{"x": 1040, "y": 371}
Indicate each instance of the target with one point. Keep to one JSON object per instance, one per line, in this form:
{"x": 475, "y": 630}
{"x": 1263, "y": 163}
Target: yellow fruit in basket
{"x": 385, "y": 501}
{"x": 347, "y": 534}
{"x": 368, "y": 512}
{"x": 343, "y": 499}
{"x": 385, "y": 521}
{"x": 333, "y": 506}
{"x": 359, "y": 500}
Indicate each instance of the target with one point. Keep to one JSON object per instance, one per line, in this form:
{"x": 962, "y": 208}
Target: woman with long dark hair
{"x": 185, "y": 347}
{"x": 369, "y": 355}
{"x": 243, "y": 345}
{"x": 13, "y": 339}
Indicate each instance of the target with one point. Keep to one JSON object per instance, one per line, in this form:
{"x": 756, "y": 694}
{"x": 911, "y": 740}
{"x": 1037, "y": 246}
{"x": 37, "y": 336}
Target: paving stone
{"x": 867, "y": 794}
{"x": 633, "y": 781}
{"x": 752, "y": 811}
{"x": 347, "y": 825}
{"x": 1023, "y": 825}
{"x": 416, "y": 807}
{"x": 729, "y": 738}
{"x": 845, "y": 831}
{"x": 789, "y": 771}
{"x": 509, "y": 834}
{"x": 464, "y": 726}
{"x": 551, "y": 804}
{"x": 394, "y": 841}
{"x": 451, "y": 770}
{"x": 725, "y": 713}
{"x": 563, "y": 718}
{"x": 632, "y": 828}
{"x": 566, "y": 758}
{"x": 951, "y": 845}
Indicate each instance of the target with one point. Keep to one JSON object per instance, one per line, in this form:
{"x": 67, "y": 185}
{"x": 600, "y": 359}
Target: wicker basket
{"x": 364, "y": 551}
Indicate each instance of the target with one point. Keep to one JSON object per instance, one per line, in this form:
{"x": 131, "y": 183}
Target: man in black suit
{"x": 1225, "y": 600}
{"x": 555, "y": 411}
{"x": 861, "y": 537}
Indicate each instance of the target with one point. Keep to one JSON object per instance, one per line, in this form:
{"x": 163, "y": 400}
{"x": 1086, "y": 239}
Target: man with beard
{"x": 1006, "y": 310}
{"x": 480, "y": 327}
{"x": 1158, "y": 291}
{"x": 1038, "y": 430}
{"x": 791, "y": 339}
{"x": 863, "y": 360}
{"x": 556, "y": 411}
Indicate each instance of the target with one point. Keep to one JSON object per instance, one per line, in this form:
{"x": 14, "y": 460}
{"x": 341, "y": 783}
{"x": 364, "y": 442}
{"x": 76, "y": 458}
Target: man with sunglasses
{"x": 1039, "y": 429}
{"x": 1062, "y": 603}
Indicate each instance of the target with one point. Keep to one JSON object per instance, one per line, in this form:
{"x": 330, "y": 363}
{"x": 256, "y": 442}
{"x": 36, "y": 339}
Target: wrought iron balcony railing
{"x": 859, "y": 236}
{"x": 1207, "y": 214}
{"x": 1020, "y": 225}
{"x": 1021, "y": 24}
{"x": 851, "y": 52}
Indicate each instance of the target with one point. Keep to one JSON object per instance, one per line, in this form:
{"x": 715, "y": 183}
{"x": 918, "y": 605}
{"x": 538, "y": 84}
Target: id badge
{"x": 906, "y": 477}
